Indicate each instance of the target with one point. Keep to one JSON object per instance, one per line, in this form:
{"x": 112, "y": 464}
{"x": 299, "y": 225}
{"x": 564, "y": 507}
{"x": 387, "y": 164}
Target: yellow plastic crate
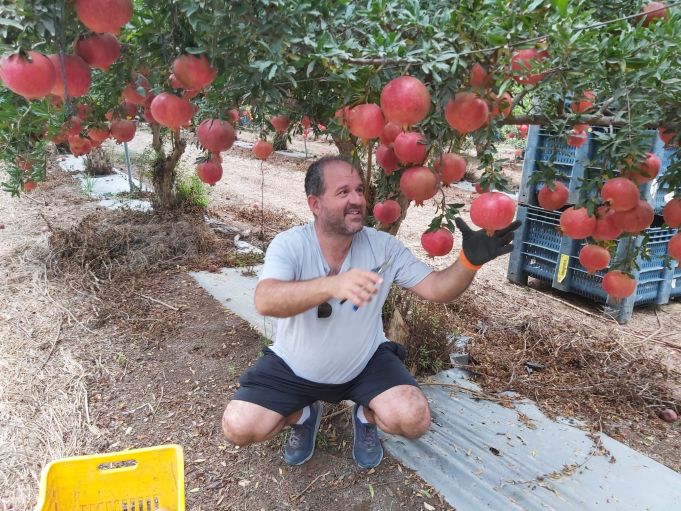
{"x": 134, "y": 480}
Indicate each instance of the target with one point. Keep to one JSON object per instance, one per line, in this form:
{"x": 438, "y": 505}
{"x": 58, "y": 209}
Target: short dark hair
{"x": 314, "y": 177}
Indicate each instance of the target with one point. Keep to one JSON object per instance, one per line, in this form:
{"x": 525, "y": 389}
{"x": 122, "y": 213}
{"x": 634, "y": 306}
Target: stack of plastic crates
{"x": 136, "y": 480}
{"x": 541, "y": 252}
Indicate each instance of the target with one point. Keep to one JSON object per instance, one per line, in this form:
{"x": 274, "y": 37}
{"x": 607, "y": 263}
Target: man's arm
{"x": 283, "y": 299}
{"x": 477, "y": 249}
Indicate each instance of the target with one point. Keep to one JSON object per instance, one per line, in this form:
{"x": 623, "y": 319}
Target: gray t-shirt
{"x": 337, "y": 348}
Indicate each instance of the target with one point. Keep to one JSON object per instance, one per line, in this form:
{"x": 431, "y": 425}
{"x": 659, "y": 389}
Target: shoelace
{"x": 368, "y": 435}
{"x": 298, "y": 434}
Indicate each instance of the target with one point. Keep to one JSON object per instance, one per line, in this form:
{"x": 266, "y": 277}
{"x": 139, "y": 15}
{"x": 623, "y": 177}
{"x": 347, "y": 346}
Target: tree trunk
{"x": 346, "y": 148}
{"x": 279, "y": 142}
{"x": 97, "y": 163}
{"x": 165, "y": 171}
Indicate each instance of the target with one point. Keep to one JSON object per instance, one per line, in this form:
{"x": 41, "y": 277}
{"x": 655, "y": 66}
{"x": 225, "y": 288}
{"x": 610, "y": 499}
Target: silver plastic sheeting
{"x": 480, "y": 455}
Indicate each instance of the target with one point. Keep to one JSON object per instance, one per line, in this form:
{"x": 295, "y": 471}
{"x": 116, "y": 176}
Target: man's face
{"x": 341, "y": 208}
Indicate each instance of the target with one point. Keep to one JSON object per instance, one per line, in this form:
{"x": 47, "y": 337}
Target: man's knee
{"x": 404, "y": 412}
{"x": 243, "y": 426}
{"x": 414, "y": 420}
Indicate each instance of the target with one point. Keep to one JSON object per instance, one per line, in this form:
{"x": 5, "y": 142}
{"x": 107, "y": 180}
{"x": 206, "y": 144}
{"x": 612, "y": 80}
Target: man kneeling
{"x": 323, "y": 281}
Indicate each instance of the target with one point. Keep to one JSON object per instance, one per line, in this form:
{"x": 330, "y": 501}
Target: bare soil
{"x": 134, "y": 353}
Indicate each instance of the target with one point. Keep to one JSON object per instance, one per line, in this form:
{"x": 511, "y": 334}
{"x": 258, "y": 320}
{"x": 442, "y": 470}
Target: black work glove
{"x": 479, "y": 248}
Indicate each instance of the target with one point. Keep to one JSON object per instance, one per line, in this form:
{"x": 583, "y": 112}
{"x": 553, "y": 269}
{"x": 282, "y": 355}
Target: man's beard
{"x": 337, "y": 225}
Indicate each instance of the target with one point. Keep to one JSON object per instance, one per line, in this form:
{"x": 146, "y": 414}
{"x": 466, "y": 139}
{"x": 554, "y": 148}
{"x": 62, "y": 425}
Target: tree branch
{"x": 591, "y": 120}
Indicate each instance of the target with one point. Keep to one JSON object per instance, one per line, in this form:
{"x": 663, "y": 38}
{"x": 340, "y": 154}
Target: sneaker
{"x": 300, "y": 445}
{"x": 367, "y": 450}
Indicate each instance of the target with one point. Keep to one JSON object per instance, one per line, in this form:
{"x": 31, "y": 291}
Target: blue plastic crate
{"x": 541, "y": 252}
{"x": 574, "y": 164}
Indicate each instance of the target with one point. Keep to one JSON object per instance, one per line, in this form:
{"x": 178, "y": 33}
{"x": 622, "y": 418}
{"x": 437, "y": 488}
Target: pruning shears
{"x": 379, "y": 270}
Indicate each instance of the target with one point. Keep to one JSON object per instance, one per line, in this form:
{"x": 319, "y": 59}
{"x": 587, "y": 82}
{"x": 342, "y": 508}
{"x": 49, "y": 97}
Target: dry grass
{"x": 43, "y": 401}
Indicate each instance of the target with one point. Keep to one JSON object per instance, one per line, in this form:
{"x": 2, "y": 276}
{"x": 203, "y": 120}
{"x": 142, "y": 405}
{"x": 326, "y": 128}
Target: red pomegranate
{"x": 280, "y": 123}
{"x": 132, "y": 96}
{"x": 594, "y": 258}
{"x": 387, "y": 212}
{"x": 667, "y": 136}
{"x": 606, "y": 225}
{"x": 366, "y": 121}
{"x": 209, "y": 172}
{"x": 451, "y": 167}
{"x": 233, "y": 114}
{"x": 79, "y": 145}
{"x": 262, "y": 149}
{"x": 552, "y": 200}
{"x": 501, "y": 105}
{"x": 418, "y": 184}
{"x": 405, "y": 101}
{"x": 480, "y": 78}
{"x": 342, "y": 115}
{"x": 122, "y": 130}
{"x": 522, "y": 130}
{"x": 584, "y": 102}
{"x": 190, "y": 93}
{"x": 306, "y": 122}
{"x": 437, "y": 243}
{"x": 98, "y": 134}
{"x": 524, "y": 61}
{"x": 645, "y": 171}
{"x": 389, "y": 134}
{"x": 467, "y": 112}
{"x": 194, "y": 73}
{"x": 104, "y": 15}
{"x": 576, "y": 138}
{"x": 675, "y": 246}
{"x": 672, "y": 213}
{"x": 32, "y": 78}
{"x": 620, "y": 193}
{"x": 216, "y": 135}
{"x": 580, "y": 127}
{"x": 576, "y": 223}
{"x": 171, "y": 111}
{"x": 411, "y": 147}
{"x": 492, "y": 211}
{"x": 653, "y": 11}
{"x": 148, "y": 116}
{"x": 73, "y": 126}
{"x": 479, "y": 188}
{"x": 78, "y": 77}
{"x": 99, "y": 50}
{"x": 29, "y": 186}
{"x": 618, "y": 285}
{"x": 387, "y": 159}
{"x": 636, "y": 219}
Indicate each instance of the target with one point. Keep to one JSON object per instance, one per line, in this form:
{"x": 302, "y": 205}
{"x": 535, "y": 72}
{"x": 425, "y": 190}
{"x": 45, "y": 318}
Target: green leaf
{"x": 561, "y": 6}
{"x": 11, "y": 23}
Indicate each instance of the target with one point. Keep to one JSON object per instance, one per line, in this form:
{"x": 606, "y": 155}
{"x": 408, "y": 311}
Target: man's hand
{"x": 358, "y": 286}
{"x": 479, "y": 248}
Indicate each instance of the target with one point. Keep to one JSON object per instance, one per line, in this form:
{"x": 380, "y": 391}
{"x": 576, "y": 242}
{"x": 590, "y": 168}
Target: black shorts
{"x": 271, "y": 383}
